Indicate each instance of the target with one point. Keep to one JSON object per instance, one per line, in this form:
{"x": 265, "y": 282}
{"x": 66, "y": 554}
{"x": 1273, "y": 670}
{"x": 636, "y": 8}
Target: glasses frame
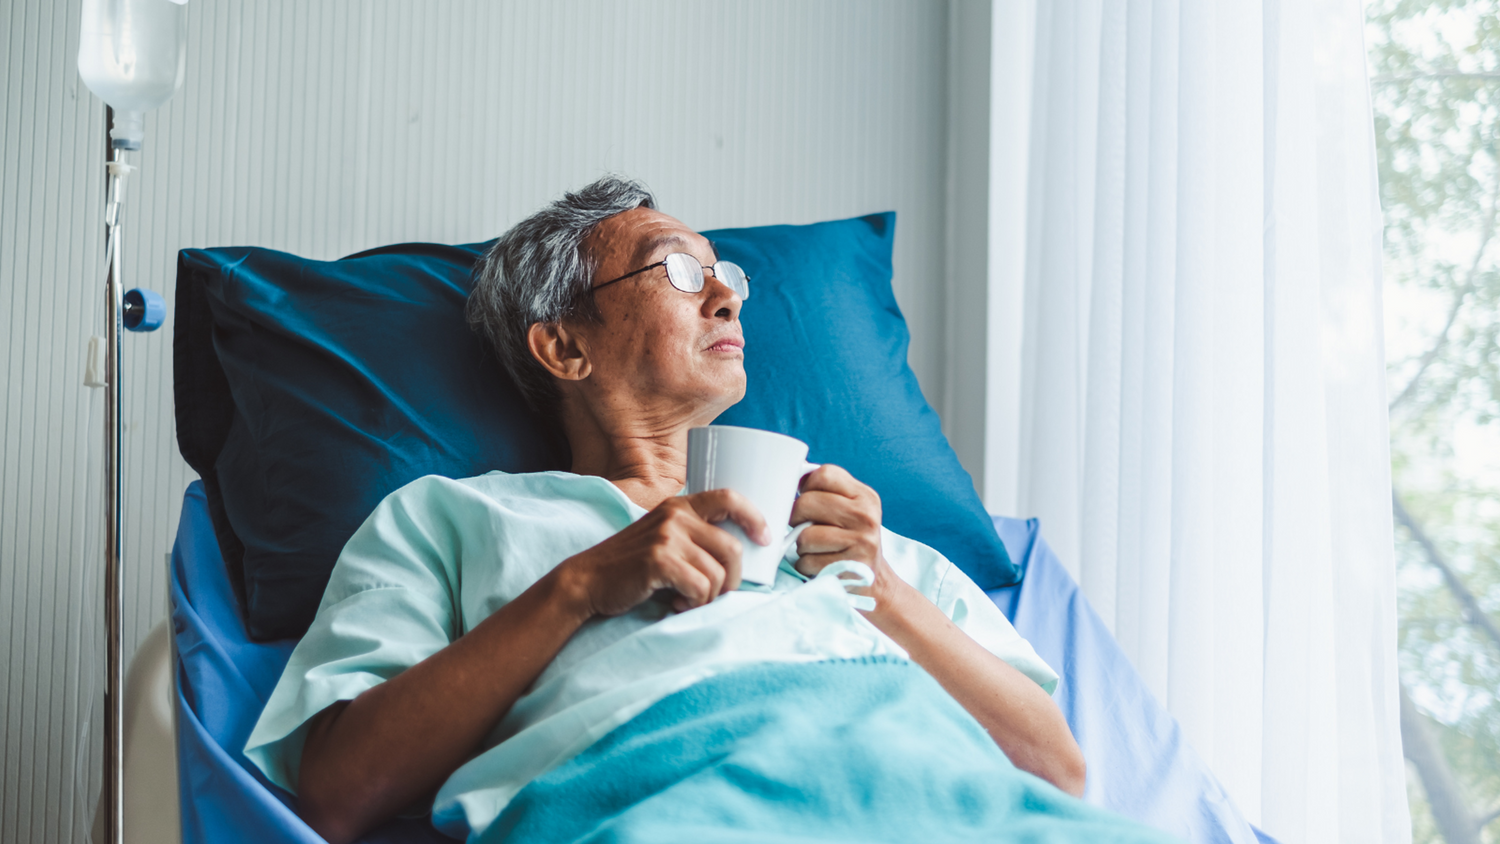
{"x": 712, "y": 271}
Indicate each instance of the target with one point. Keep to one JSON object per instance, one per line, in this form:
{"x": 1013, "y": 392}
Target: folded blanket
{"x": 847, "y": 750}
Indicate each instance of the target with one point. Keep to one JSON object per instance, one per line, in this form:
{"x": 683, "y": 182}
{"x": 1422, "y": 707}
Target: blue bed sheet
{"x": 223, "y": 682}
{"x": 1138, "y": 763}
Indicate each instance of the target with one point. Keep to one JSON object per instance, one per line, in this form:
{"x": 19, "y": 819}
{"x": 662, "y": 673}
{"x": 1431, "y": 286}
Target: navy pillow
{"x": 825, "y": 360}
{"x": 306, "y": 391}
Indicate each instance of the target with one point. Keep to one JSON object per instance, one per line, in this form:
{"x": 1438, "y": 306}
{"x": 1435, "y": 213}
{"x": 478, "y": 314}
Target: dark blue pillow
{"x": 825, "y": 357}
{"x": 306, "y": 391}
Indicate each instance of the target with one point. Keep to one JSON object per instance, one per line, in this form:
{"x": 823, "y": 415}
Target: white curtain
{"x": 1202, "y": 426}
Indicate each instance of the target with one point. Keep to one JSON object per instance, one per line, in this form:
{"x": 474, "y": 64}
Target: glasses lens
{"x": 733, "y": 277}
{"x": 684, "y": 271}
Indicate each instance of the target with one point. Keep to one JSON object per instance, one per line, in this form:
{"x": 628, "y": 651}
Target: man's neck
{"x": 647, "y": 461}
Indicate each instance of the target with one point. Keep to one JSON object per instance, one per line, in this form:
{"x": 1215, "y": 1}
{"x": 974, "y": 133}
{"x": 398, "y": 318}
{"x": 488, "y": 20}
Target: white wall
{"x": 332, "y": 127}
{"x": 966, "y": 361}
{"x": 1012, "y": 43}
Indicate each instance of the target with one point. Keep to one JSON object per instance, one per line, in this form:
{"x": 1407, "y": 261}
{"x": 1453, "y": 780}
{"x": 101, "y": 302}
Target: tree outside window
{"x": 1435, "y": 82}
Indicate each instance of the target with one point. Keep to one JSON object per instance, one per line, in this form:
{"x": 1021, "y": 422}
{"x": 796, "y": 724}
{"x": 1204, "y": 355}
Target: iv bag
{"x": 132, "y": 54}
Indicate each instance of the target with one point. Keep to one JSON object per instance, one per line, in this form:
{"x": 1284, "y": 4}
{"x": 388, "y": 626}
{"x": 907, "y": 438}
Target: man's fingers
{"x": 691, "y": 582}
{"x": 719, "y": 505}
{"x": 820, "y": 545}
{"x": 717, "y": 555}
{"x": 831, "y": 478}
{"x": 828, "y": 508}
{"x": 725, "y": 550}
{"x": 811, "y": 564}
{"x": 824, "y": 539}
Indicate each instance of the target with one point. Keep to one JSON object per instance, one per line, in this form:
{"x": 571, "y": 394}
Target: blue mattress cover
{"x": 1139, "y": 764}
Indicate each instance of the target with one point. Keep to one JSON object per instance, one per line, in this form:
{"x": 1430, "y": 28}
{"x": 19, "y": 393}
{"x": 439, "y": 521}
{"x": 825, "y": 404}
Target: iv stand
{"x": 114, "y": 744}
{"x": 132, "y": 310}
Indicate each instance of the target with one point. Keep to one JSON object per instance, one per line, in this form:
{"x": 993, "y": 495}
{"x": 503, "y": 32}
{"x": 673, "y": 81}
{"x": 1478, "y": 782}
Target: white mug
{"x": 763, "y": 466}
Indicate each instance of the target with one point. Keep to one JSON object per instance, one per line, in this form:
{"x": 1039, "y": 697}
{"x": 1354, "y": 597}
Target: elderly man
{"x": 479, "y": 634}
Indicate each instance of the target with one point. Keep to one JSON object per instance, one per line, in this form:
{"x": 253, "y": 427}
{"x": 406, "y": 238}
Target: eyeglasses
{"x": 686, "y": 274}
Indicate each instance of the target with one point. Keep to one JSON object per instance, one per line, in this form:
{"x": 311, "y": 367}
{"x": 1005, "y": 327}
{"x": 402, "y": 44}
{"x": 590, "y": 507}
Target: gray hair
{"x": 539, "y": 272}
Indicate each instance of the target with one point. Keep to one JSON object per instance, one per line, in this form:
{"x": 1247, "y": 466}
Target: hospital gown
{"x": 438, "y": 556}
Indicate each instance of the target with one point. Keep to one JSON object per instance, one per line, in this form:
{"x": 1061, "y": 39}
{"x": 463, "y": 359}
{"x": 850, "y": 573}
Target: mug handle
{"x": 796, "y": 530}
{"x": 791, "y": 537}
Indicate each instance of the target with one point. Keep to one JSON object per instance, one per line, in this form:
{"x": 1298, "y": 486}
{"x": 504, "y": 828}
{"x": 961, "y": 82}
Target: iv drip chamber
{"x": 132, "y": 54}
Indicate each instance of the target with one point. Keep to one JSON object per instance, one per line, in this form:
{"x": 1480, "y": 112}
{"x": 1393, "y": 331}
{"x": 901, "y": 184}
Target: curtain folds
{"x": 1202, "y": 417}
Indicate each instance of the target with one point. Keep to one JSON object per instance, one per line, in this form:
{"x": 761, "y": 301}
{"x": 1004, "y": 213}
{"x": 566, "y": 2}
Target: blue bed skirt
{"x": 1138, "y": 763}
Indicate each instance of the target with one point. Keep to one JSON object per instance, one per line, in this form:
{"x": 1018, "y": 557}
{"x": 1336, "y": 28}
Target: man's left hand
{"x": 845, "y": 516}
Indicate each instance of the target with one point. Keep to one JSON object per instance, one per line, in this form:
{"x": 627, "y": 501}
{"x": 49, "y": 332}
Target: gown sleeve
{"x": 965, "y": 604}
{"x": 390, "y": 603}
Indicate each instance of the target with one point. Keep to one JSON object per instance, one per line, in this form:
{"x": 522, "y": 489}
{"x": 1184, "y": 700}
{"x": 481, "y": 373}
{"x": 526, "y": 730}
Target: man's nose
{"x": 720, "y": 300}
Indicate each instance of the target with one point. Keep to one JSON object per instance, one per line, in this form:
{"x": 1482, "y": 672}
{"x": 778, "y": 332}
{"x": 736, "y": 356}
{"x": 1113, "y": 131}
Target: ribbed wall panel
{"x": 326, "y": 128}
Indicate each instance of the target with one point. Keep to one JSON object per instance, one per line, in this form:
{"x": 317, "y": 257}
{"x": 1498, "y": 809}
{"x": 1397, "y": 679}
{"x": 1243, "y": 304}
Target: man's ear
{"x": 561, "y": 351}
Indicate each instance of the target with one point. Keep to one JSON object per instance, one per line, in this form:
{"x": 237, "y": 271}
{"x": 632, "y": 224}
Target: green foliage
{"x": 1435, "y": 67}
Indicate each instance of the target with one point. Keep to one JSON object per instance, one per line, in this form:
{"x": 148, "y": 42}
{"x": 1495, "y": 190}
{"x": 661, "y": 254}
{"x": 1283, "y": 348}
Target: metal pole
{"x": 114, "y": 745}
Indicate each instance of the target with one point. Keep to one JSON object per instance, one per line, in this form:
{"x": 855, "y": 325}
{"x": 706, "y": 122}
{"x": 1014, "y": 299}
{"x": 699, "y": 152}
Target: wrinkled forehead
{"x": 643, "y": 236}
{"x": 653, "y": 249}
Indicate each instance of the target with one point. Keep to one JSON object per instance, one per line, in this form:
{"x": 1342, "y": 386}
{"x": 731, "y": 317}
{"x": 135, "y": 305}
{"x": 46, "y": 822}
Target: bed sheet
{"x": 1139, "y": 764}
{"x": 223, "y": 682}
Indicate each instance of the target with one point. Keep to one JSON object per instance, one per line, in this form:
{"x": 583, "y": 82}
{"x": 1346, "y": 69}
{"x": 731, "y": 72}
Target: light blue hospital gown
{"x": 438, "y": 556}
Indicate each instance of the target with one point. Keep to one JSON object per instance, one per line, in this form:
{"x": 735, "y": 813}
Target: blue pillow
{"x": 306, "y": 391}
{"x": 825, "y": 357}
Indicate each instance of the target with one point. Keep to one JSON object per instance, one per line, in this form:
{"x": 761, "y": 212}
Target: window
{"x": 1435, "y": 69}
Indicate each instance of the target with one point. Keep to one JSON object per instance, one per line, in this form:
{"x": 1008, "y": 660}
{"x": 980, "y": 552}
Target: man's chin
{"x": 725, "y": 366}
{"x": 731, "y": 395}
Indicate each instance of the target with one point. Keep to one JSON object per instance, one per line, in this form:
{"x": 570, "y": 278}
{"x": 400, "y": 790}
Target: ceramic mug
{"x": 763, "y": 466}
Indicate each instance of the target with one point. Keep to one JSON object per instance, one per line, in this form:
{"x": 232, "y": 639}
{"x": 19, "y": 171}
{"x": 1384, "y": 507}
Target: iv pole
{"x": 114, "y": 744}
{"x": 136, "y": 310}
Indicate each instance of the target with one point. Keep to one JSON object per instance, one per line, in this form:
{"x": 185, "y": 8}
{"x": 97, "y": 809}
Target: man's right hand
{"x": 362, "y": 758}
{"x": 677, "y": 546}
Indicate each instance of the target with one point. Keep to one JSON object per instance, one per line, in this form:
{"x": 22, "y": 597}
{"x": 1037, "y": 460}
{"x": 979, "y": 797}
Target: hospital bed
{"x": 1139, "y": 764}
{"x": 213, "y": 673}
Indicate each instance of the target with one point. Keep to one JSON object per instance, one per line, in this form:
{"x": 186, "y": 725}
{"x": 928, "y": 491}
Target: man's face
{"x": 667, "y": 348}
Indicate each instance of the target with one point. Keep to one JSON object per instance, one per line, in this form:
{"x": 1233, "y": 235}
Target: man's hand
{"x": 845, "y": 516}
{"x": 677, "y": 546}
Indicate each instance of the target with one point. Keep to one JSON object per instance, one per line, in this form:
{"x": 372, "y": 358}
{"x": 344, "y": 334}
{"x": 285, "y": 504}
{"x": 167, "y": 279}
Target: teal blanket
{"x": 849, "y": 750}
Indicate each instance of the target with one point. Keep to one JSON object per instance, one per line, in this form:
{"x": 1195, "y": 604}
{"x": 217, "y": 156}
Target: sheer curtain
{"x": 1201, "y": 417}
